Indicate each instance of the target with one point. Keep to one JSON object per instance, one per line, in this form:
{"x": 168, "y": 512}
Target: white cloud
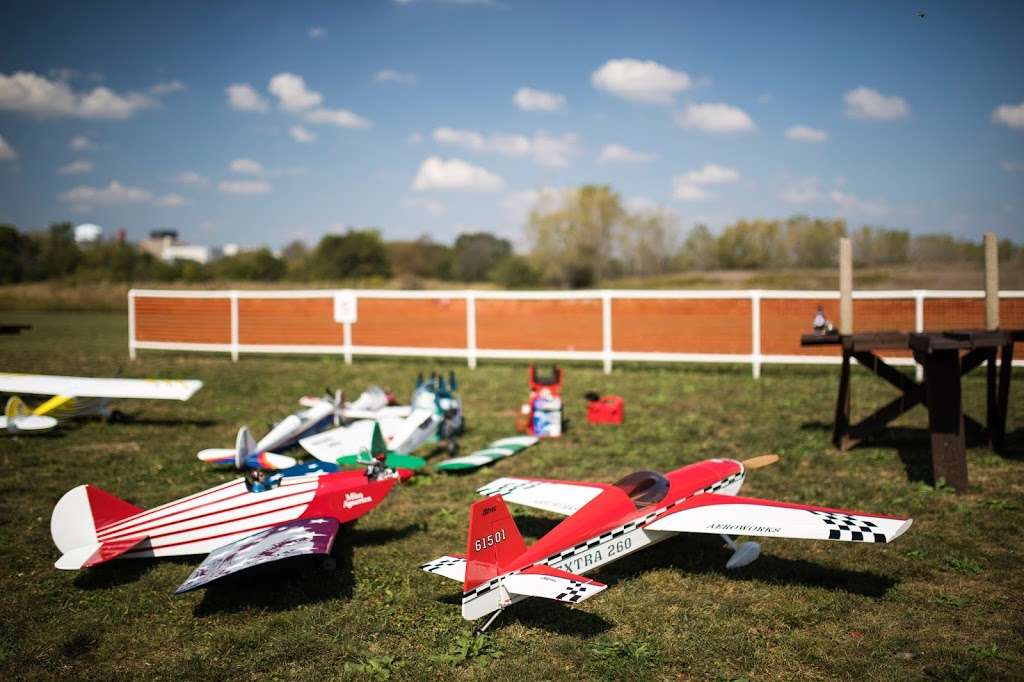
{"x": 402, "y": 77}
{"x": 170, "y": 201}
{"x": 529, "y": 99}
{"x": 640, "y": 81}
{"x": 292, "y": 93}
{"x": 429, "y": 206}
{"x": 31, "y": 93}
{"x": 414, "y": 138}
{"x": 75, "y": 167}
{"x": 244, "y": 97}
{"x": 317, "y": 32}
{"x": 871, "y": 105}
{"x": 517, "y": 205}
{"x": 244, "y": 186}
{"x": 1012, "y": 166}
{"x": 716, "y": 117}
{"x": 805, "y": 191}
{"x": 436, "y": 173}
{"x": 543, "y": 148}
{"x": 114, "y": 194}
{"x": 343, "y": 118}
{"x": 81, "y": 143}
{"x": 684, "y": 192}
{"x": 246, "y": 166}
{"x": 300, "y": 134}
{"x": 1011, "y": 115}
{"x": 191, "y": 178}
{"x": 617, "y": 153}
{"x": 7, "y": 152}
{"x": 855, "y": 205}
{"x": 167, "y": 87}
{"x": 690, "y": 186}
{"x": 806, "y": 134}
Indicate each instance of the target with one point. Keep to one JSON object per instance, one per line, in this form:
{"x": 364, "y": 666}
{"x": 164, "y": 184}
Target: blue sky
{"x": 259, "y": 123}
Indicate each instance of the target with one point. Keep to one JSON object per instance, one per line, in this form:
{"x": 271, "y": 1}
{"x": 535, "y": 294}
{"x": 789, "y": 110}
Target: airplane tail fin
{"x": 245, "y": 445}
{"x": 493, "y": 543}
{"x": 75, "y": 522}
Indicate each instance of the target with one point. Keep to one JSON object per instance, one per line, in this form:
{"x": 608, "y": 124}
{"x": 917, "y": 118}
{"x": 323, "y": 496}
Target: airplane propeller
{"x": 760, "y": 461}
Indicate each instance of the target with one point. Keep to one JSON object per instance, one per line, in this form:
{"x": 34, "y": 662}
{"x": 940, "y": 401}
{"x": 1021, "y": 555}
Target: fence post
{"x": 606, "y": 330}
{"x": 755, "y": 333}
{"x": 346, "y": 340}
{"x": 234, "y": 326}
{"x": 131, "y": 324}
{"x": 919, "y": 327}
{"x": 471, "y": 329}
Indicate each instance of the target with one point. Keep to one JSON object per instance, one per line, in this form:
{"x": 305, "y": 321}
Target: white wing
{"x": 728, "y": 515}
{"x": 552, "y": 583}
{"x": 451, "y": 567}
{"x": 85, "y": 387}
{"x": 560, "y": 497}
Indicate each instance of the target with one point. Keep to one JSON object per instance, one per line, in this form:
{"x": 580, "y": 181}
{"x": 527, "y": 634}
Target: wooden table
{"x": 946, "y": 356}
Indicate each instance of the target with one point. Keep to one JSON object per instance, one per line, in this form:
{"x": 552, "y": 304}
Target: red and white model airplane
{"x": 240, "y": 524}
{"x": 607, "y": 522}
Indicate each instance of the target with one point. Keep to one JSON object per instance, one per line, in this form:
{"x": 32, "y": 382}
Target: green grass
{"x": 943, "y": 602}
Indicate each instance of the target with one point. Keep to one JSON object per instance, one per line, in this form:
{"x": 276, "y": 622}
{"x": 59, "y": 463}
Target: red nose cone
{"x": 405, "y": 474}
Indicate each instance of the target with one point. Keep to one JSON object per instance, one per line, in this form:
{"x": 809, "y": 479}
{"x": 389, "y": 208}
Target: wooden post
{"x": 991, "y": 281}
{"x": 845, "y": 286}
{"x": 946, "y": 418}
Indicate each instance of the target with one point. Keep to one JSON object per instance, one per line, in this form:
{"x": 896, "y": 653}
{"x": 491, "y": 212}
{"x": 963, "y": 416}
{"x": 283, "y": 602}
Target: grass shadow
{"x": 116, "y": 573}
{"x": 705, "y": 555}
{"x": 286, "y": 584}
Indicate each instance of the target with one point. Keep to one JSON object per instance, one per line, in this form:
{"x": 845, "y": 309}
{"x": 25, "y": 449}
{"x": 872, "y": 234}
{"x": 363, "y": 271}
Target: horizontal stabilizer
{"x": 552, "y": 583}
{"x": 97, "y": 553}
{"x": 452, "y": 566}
{"x": 81, "y": 511}
{"x": 729, "y": 515}
{"x": 560, "y": 497}
{"x": 295, "y": 538}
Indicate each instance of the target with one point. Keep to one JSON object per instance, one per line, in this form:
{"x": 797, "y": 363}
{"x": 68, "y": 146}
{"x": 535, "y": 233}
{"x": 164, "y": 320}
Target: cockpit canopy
{"x": 644, "y": 488}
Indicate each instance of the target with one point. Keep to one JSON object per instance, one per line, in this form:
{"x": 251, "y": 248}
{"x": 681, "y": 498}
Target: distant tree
{"x": 514, "y": 272}
{"x": 259, "y": 265}
{"x": 752, "y": 244}
{"x": 59, "y": 255}
{"x": 880, "y": 246}
{"x": 813, "y": 242}
{"x": 357, "y": 253}
{"x": 646, "y": 242}
{"x": 420, "y": 258}
{"x": 944, "y": 248}
{"x": 700, "y": 250}
{"x": 573, "y": 241}
{"x": 476, "y": 253}
{"x": 18, "y": 256}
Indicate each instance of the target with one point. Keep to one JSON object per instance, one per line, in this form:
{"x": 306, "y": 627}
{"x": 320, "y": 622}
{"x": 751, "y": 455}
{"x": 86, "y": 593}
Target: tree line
{"x": 577, "y": 238}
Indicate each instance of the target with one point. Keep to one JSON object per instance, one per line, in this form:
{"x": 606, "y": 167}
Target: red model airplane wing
{"x": 729, "y": 515}
{"x": 552, "y": 583}
{"x": 294, "y": 538}
{"x": 560, "y": 497}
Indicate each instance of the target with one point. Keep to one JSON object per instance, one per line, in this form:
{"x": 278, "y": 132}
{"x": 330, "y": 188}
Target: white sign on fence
{"x": 345, "y": 307}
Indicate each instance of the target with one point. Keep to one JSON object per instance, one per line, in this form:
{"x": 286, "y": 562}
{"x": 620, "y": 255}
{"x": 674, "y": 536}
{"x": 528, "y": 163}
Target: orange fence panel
{"x": 183, "y": 320}
{"x": 539, "y": 325}
{"x": 416, "y": 323}
{"x": 288, "y": 321}
{"x": 681, "y": 325}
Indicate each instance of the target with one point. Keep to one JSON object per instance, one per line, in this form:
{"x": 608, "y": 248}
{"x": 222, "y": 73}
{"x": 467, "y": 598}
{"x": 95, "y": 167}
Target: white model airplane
{"x": 87, "y": 396}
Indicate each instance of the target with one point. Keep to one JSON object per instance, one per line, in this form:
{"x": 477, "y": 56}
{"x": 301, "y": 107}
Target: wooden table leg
{"x": 991, "y": 399}
{"x": 946, "y": 418}
{"x": 841, "y": 425}
{"x": 1003, "y": 398}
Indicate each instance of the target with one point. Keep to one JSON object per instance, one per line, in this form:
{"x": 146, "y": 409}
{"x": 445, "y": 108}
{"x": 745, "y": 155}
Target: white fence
{"x": 471, "y": 351}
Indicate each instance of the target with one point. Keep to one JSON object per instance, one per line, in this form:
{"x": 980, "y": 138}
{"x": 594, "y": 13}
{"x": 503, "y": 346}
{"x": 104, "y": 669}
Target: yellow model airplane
{"x": 80, "y": 397}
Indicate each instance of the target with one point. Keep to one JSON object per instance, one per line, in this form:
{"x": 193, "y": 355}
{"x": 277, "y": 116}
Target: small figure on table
{"x": 821, "y": 324}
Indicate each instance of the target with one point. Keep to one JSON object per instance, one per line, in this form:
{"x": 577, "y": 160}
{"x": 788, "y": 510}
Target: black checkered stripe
{"x": 846, "y": 527}
{"x": 558, "y": 557}
{"x": 574, "y": 592}
{"x": 437, "y": 564}
{"x": 506, "y": 488}
{"x": 728, "y": 480}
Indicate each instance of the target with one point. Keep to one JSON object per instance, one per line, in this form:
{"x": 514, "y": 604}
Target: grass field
{"x": 942, "y": 602}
